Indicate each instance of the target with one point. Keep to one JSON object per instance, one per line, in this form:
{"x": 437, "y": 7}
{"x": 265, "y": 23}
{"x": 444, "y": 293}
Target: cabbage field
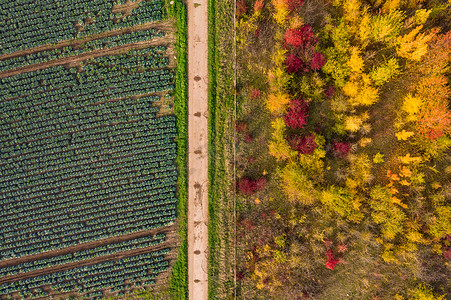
{"x": 88, "y": 147}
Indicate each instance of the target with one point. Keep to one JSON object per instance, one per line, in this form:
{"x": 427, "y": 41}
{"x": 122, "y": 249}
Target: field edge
{"x": 178, "y": 282}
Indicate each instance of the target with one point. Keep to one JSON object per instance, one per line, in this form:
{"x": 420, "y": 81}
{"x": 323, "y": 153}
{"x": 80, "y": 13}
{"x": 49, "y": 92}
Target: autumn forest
{"x": 343, "y": 149}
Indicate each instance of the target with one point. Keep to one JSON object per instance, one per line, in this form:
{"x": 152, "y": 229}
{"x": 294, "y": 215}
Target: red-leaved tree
{"x": 294, "y": 4}
{"x": 318, "y": 61}
{"x": 434, "y": 120}
{"x": 303, "y": 144}
{"x": 341, "y": 149}
{"x": 258, "y": 5}
{"x": 297, "y": 113}
{"x": 247, "y": 186}
{"x": 299, "y": 37}
{"x": 293, "y": 63}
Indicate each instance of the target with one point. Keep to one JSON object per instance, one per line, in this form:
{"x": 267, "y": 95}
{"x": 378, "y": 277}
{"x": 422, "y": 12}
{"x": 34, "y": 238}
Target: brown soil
{"x": 116, "y": 239}
{"x": 161, "y": 25}
{"x": 73, "y": 60}
{"x": 171, "y": 240}
{"x": 126, "y": 8}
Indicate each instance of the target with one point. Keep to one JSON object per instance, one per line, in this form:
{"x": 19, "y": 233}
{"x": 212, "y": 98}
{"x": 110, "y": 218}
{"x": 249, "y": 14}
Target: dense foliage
{"x": 354, "y": 111}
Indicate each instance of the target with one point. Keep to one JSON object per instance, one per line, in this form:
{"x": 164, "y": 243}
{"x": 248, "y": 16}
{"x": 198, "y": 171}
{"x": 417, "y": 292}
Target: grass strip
{"x": 213, "y": 266}
{"x": 220, "y": 139}
{"x": 178, "y": 282}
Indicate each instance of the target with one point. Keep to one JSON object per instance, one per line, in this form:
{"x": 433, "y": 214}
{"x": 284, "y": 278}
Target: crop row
{"x": 141, "y": 84}
{"x": 58, "y": 211}
{"x": 67, "y": 165}
{"x": 103, "y": 43}
{"x": 28, "y": 24}
{"x": 115, "y": 275}
{"x": 18, "y": 140}
{"x": 93, "y": 197}
{"x": 42, "y": 227}
{"x": 87, "y": 165}
{"x": 19, "y": 90}
{"x": 78, "y": 236}
{"x": 39, "y": 151}
{"x": 111, "y": 76}
{"x": 109, "y": 249}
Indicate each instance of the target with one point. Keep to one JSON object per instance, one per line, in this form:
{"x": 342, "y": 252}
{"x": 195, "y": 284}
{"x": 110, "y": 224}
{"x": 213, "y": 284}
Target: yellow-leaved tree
{"x": 351, "y": 10}
{"x": 355, "y": 62}
{"x": 411, "y": 105}
{"x": 342, "y": 201}
{"x": 281, "y": 11}
{"x": 414, "y": 45}
{"x": 353, "y": 123}
{"x": 297, "y": 185}
{"x": 384, "y": 212}
{"x": 277, "y": 103}
{"x": 386, "y": 27}
{"x": 278, "y": 146}
{"x": 381, "y": 74}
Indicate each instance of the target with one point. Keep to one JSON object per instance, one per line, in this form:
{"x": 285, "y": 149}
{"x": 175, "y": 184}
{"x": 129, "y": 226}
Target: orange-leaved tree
{"x": 434, "y": 116}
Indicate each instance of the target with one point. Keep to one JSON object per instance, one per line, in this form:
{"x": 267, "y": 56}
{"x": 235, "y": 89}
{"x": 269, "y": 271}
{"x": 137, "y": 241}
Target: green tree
{"x": 343, "y": 202}
{"x": 386, "y": 27}
{"x": 384, "y": 212}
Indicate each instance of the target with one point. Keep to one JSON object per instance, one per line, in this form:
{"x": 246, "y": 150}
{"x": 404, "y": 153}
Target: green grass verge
{"x": 220, "y": 139}
{"x": 178, "y": 283}
{"x": 178, "y": 280}
{"x": 213, "y": 266}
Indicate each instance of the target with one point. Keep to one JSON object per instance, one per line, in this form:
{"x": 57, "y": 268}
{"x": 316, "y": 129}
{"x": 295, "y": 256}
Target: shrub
{"x": 255, "y": 93}
{"x": 305, "y": 144}
{"x": 247, "y": 186}
{"x": 294, "y": 4}
{"x": 329, "y": 91}
{"x": 318, "y": 61}
{"x": 297, "y": 114}
{"x": 248, "y": 138}
{"x": 293, "y": 63}
{"x": 241, "y": 8}
{"x": 341, "y": 149}
{"x": 241, "y": 127}
{"x": 331, "y": 261}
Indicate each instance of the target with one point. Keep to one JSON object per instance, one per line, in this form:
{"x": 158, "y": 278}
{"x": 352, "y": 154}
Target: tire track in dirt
{"x": 160, "y": 25}
{"x": 198, "y": 252}
{"x": 73, "y": 60}
{"x": 171, "y": 240}
{"x": 168, "y": 230}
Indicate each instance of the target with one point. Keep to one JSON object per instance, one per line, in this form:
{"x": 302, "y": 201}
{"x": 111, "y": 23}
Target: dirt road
{"x": 197, "y": 149}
